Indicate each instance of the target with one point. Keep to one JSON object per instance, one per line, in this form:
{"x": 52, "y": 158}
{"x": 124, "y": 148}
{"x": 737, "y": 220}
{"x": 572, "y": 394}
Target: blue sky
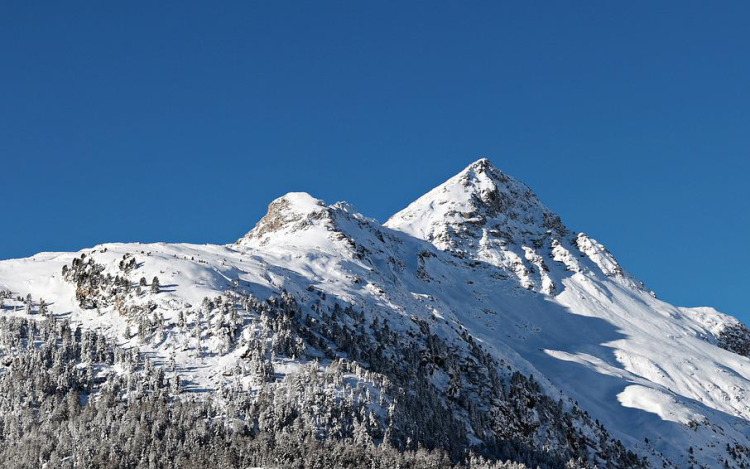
{"x": 180, "y": 121}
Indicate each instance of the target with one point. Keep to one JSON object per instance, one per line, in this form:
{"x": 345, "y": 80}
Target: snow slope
{"x": 479, "y": 253}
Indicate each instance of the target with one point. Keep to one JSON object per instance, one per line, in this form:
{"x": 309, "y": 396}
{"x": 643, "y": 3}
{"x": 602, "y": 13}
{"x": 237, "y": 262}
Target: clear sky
{"x": 181, "y": 121}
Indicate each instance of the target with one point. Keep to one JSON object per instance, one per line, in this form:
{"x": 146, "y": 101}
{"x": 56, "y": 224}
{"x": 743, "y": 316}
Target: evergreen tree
{"x": 371, "y": 400}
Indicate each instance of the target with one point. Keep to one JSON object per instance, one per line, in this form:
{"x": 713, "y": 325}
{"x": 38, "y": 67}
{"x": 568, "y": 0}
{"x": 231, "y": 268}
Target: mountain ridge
{"x": 476, "y": 273}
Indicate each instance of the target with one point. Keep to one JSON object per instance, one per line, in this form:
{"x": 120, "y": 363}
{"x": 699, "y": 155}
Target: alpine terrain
{"x": 473, "y": 328}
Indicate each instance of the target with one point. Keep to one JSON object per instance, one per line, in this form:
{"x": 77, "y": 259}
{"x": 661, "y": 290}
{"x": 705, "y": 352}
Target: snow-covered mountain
{"x": 473, "y": 319}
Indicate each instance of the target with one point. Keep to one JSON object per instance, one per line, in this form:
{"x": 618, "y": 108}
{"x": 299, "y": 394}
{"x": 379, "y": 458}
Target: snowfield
{"x": 480, "y": 255}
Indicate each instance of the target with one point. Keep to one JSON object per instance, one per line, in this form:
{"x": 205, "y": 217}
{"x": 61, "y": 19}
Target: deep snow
{"x": 479, "y": 252}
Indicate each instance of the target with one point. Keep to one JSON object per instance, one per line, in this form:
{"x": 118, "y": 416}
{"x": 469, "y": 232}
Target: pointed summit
{"x": 481, "y": 165}
{"x": 483, "y": 214}
{"x": 480, "y": 201}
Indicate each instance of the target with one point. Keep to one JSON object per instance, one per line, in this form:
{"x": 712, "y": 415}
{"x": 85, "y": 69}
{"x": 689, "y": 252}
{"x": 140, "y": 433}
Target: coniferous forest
{"x": 74, "y": 399}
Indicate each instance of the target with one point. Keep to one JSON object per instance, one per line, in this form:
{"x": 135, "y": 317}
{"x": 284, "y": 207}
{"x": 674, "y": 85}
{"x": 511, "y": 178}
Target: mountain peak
{"x": 289, "y": 213}
{"x": 479, "y": 201}
{"x": 482, "y": 171}
{"x": 482, "y": 164}
{"x": 299, "y": 202}
{"x": 356, "y": 310}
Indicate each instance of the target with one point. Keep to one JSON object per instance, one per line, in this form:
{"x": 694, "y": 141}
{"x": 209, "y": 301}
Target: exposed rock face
{"x": 290, "y": 213}
{"x": 735, "y": 338}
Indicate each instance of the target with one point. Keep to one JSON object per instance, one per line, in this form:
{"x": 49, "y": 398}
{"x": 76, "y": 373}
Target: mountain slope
{"x": 453, "y": 304}
{"x": 642, "y": 365}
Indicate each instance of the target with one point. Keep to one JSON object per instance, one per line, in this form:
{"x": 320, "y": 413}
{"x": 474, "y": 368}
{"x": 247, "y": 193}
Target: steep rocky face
{"x": 719, "y": 329}
{"x": 287, "y": 215}
{"x": 735, "y": 338}
{"x": 298, "y": 219}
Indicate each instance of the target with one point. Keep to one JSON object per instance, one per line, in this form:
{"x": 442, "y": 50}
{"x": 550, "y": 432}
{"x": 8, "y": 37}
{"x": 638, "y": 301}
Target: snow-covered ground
{"x": 479, "y": 253}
